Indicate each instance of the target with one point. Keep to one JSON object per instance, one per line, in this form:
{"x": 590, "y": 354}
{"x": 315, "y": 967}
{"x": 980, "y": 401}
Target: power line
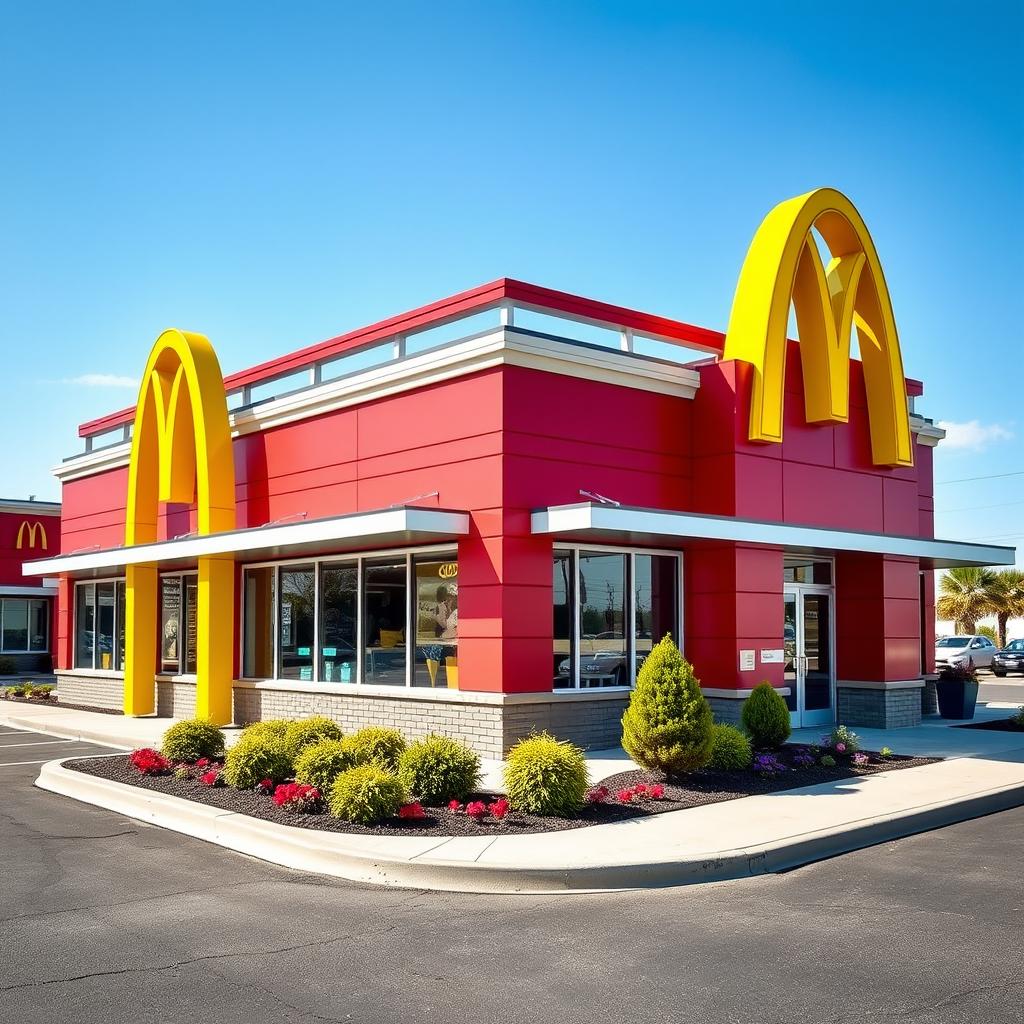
{"x": 977, "y": 508}
{"x": 971, "y": 479}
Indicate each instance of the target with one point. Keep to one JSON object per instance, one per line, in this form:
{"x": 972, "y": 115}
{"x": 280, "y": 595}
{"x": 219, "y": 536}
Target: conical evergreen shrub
{"x": 668, "y": 724}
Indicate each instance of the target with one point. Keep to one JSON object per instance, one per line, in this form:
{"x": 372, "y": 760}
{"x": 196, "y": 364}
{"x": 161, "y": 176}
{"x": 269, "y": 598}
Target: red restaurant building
{"x": 477, "y": 517}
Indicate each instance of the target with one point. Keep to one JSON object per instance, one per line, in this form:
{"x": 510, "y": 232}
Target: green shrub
{"x": 667, "y": 725}
{"x": 766, "y": 717}
{"x": 377, "y": 744}
{"x": 366, "y": 794}
{"x": 18, "y": 690}
{"x": 320, "y": 764}
{"x": 8, "y": 666}
{"x": 41, "y": 689}
{"x": 547, "y": 776}
{"x": 271, "y": 727}
{"x": 1018, "y": 719}
{"x": 255, "y": 757}
{"x": 307, "y": 731}
{"x": 438, "y": 769}
{"x": 730, "y": 749}
{"x": 192, "y": 739}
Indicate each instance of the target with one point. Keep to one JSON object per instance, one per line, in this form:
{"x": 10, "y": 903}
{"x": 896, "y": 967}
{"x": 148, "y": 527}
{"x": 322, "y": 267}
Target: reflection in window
{"x": 656, "y": 586}
{"x": 338, "y": 606}
{"x": 191, "y": 584}
{"x": 258, "y": 598}
{"x": 437, "y": 623}
{"x": 105, "y": 626}
{"x": 604, "y": 655}
{"x": 119, "y": 619}
{"x": 85, "y": 620}
{"x": 385, "y": 606}
{"x": 14, "y": 634}
{"x": 562, "y": 625}
{"x": 170, "y": 623}
{"x": 38, "y": 626}
{"x": 295, "y": 624}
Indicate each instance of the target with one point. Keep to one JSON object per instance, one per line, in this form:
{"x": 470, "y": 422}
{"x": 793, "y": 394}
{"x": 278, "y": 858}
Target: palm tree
{"x": 1008, "y": 600}
{"x": 966, "y": 594}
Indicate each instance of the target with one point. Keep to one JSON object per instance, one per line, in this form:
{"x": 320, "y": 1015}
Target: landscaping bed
{"x": 698, "y": 789}
{"x": 999, "y": 725}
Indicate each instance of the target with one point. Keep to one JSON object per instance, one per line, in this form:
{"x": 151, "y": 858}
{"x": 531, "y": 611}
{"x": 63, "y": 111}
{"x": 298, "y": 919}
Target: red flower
{"x": 597, "y": 795}
{"x": 210, "y": 778}
{"x": 656, "y": 792}
{"x": 626, "y": 796}
{"x": 202, "y": 762}
{"x": 265, "y": 785}
{"x": 297, "y": 797}
{"x": 454, "y": 806}
{"x": 149, "y": 761}
{"x": 499, "y": 808}
{"x": 640, "y": 789}
{"x": 413, "y": 810}
{"x": 477, "y": 810}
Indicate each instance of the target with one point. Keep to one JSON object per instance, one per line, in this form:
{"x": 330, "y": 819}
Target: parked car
{"x": 1009, "y": 659}
{"x": 603, "y": 660}
{"x": 957, "y": 651}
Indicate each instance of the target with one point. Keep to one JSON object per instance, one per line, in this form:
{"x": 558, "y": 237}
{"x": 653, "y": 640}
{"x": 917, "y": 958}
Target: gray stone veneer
{"x": 873, "y": 708}
{"x": 725, "y": 709}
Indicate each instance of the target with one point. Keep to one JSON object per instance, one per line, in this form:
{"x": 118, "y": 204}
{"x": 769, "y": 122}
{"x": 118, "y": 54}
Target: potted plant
{"x": 957, "y": 688}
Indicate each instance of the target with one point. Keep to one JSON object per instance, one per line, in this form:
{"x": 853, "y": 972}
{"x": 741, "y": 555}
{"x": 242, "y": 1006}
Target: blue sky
{"x": 272, "y": 175}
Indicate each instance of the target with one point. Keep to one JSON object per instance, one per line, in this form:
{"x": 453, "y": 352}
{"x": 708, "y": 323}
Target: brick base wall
{"x": 175, "y": 699}
{"x": 726, "y": 709}
{"x": 93, "y": 691}
{"x": 879, "y": 709}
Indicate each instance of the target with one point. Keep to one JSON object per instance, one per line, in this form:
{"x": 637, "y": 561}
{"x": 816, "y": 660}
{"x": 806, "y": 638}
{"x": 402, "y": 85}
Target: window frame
{"x": 116, "y": 580}
{"x": 630, "y": 629}
{"x": 357, "y": 559}
{"x": 28, "y": 602}
{"x": 181, "y": 575}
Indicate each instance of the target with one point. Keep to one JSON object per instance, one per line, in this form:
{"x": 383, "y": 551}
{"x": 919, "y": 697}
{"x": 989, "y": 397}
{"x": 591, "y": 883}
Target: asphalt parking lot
{"x": 103, "y": 918}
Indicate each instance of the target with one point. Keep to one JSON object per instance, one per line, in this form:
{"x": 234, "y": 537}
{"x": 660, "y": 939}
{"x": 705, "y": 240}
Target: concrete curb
{"x": 380, "y": 861}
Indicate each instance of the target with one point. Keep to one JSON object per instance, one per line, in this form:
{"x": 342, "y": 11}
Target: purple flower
{"x": 860, "y": 759}
{"x": 841, "y": 747}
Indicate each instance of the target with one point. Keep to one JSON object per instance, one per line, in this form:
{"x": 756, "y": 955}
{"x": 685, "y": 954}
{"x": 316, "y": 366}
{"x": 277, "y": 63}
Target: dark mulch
{"x": 999, "y": 725}
{"x": 55, "y": 702}
{"x": 704, "y": 787}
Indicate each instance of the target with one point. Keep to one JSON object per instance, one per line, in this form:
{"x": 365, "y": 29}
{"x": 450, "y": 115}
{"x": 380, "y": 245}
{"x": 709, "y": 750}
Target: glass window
{"x": 806, "y": 570}
{"x": 85, "y": 621}
{"x": 385, "y": 609}
{"x": 339, "y": 597}
{"x": 104, "y": 626}
{"x": 170, "y": 623}
{"x": 259, "y": 603}
{"x": 295, "y": 623}
{"x": 602, "y": 594}
{"x": 119, "y": 618}
{"x": 38, "y": 626}
{"x": 656, "y": 586}
{"x": 15, "y": 626}
{"x": 437, "y": 622}
{"x": 562, "y": 626}
{"x": 191, "y": 600}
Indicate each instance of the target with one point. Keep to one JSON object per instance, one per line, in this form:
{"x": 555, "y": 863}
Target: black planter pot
{"x": 957, "y": 697}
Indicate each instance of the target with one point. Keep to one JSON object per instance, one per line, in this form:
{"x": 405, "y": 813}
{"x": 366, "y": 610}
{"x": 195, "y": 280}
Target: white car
{"x": 957, "y": 651}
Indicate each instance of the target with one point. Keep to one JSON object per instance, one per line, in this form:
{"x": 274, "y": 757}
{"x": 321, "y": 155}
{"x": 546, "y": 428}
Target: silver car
{"x": 957, "y": 651}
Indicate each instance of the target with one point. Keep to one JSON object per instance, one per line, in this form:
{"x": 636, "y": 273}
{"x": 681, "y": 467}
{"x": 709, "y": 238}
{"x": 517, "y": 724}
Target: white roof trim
{"x": 31, "y": 508}
{"x": 646, "y": 525}
{"x": 48, "y": 589}
{"x": 926, "y": 433}
{"x": 405, "y": 524}
{"x": 506, "y": 346}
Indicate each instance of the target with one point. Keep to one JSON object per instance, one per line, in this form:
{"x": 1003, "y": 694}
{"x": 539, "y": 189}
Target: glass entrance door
{"x": 809, "y": 665}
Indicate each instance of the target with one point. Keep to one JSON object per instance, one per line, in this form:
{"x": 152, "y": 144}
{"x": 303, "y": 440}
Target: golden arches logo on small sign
{"x": 448, "y": 570}
{"x": 35, "y": 533}
{"x": 783, "y": 267}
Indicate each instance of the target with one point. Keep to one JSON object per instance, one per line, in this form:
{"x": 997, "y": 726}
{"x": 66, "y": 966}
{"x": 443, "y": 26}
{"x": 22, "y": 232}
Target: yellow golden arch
{"x": 36, "y": 532}
{"x": 783, "y": 266}
{"x": 181, "y": 452}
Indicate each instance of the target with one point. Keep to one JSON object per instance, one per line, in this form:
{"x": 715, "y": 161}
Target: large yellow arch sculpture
{"x": 783, "y": 266}
{"x": 181, "y": 452}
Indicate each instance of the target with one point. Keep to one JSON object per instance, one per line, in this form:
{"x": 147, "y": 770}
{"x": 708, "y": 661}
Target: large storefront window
{"x": 178, "y": 599}
{"x": 295, "y": 623}
{"x": 339, "y": 606}
{"x": 99, "y": 625}
{"x": 259, "y": 603}
{"x": 24, "y": 625}
{"x": 437, "y": 623}
{"x": 385, "y": 610}
{"x": 609, "y": 612}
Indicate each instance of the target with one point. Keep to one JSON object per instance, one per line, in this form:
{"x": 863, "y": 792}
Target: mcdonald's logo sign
{"x": 34, "y": 532}
{"x": 181, "y": 452}
{"x": 783, "y": 267}
{"x": 448, "y": 570}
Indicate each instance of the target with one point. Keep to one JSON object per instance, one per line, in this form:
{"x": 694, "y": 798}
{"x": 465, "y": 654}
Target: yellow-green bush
{"x": 667, "y": 725}
{"x": 192, "y": 739}
{"x": 438, "y": 769}
{"x": 307, "y": 731}
{"x": 366, "y": 794}
{"x": 546, "y": 776}
{"x": 730, "y": 749}
{"x": 320, "y": 764}
{"x": 765, "y": 716}
{"x": 255, "y": 757}
{"x": 377, "y": 744}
